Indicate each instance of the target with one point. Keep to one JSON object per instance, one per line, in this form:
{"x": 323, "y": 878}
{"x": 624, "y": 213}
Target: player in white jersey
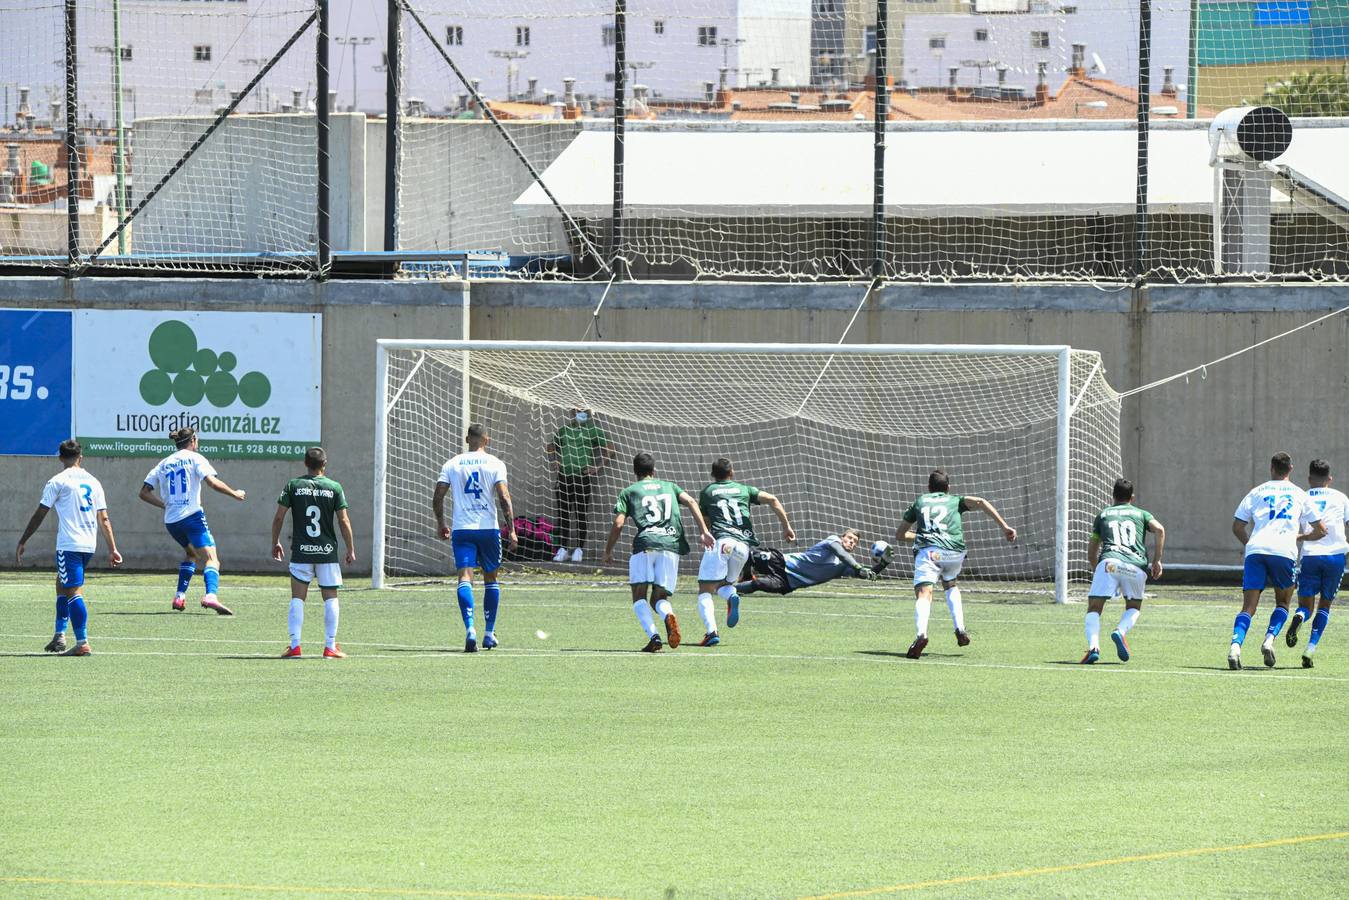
{"x": 1322, "y": 560}
{"x": 1269, "y": 522}
{"x": 475, "y": 481}
{"x": 81, "y": 513}
{"x": 178, "y": 479}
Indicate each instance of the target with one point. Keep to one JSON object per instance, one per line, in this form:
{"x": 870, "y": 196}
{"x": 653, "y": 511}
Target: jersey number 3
{"x": 657, "y": 508}
{"x": 312, "y": 513}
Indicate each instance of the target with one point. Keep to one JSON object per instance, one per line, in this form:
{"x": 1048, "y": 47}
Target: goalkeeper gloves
{"x": 866, "y": 573}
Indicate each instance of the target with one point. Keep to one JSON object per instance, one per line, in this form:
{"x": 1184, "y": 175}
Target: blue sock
{"x": 1276, "y": 620}
{"x": 62, "y": 614}
{"x": 465, "y": 593}
{"x": 212, "y": 578}
{"x": 491, "y": 598}
{"x": 1319, "y": 625}
{"x": 1239, "y": 628}
{"x": 79, "y": 616}
{"x": 1303, "y": 612}
{"x": 185, "y": 572}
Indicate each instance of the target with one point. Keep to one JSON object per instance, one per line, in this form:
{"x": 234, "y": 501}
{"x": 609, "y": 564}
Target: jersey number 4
{"x": 473, "y": 485}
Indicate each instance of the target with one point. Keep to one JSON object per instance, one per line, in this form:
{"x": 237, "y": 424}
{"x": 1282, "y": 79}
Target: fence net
{"x": 1011, "y": 148}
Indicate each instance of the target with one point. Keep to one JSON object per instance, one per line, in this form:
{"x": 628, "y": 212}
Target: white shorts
{"x": 724, "y": 561}
{"x": 1114, "y": 578}
{"x": 933, "y": 564}
{"x": 658, "y": 567}
{"x": 329, "y": 574}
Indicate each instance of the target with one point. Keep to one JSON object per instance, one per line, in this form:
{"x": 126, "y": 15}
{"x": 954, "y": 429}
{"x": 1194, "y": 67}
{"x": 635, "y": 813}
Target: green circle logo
{"x": 172, "y": 346}
{"x": 221, "y": 389}
{"x": 204, "y": 362}
{"x": 254, "y": 389}
{"x": 156, "y": 387}
{"x": 188, "y": 388}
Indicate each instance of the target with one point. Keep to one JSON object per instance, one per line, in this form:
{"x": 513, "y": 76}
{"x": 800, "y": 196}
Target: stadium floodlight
{"x": 844, "y": 434}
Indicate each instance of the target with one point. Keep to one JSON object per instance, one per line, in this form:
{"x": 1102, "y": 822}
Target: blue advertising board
{"x": 35, "y": 381}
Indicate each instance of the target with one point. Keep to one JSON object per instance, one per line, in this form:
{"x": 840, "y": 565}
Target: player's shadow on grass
{"x": 900, "y": 654}
{"x": 1257, "y": 669}
{"x": 419, "y": 649}
{"x": 1075, "y": 662}
{"x": 148, "y": 612}
{"x": 21, "y": 653}
{"x": 612, "y": 650}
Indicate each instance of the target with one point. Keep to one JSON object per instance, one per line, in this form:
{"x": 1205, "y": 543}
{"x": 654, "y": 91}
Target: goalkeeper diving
{"x": 776, "y": 573}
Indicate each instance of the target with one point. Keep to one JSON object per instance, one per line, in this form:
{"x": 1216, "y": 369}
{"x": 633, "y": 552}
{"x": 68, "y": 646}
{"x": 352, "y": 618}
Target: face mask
{"x": 582, "y": 418}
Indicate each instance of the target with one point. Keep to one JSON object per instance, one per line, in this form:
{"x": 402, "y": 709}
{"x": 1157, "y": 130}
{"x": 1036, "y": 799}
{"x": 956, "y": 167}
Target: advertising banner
{"x": 248, "y": 382}
{"x": 35, "y": 379}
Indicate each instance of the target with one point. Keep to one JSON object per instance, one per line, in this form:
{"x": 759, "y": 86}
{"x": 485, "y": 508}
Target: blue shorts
{"x": 1264, "y": 569}
{"x": 192, "y": 531}
{"x": 70, "y": 567}
{"x": 1320, "y": 575}
{"x": 476, "y": 548}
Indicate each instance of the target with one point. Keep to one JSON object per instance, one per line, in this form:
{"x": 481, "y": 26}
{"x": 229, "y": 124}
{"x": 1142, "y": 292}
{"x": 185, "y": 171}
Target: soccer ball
{"x": 881, "y": 550}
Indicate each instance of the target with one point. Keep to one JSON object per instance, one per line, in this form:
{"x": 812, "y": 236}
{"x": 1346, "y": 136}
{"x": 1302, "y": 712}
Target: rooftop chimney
{"x": 296, "y": 99}
{"x": 12, "y": 163}
{"x": 332, "y": 101}
{"x": 55, "y": 107}
{"x": 722, "y": 75}
{"x": 1079, "y": 67}
{"x": 952, "y": 72}
{"x": 1002, "y": 75}
{"x": 476, "y": 84}
{"x": 710, "y": 91}
{"x": 795, "y": 98}
{"x": 775, "y": 76}
{"x": 569, "y": 108}
{"x": 24, "y": 113}
{"x": 7, "y": 193}
{"x": 1168, "y": 81}
{"x": 1042, "y": 82}
{"x": 549, "y": 97}
{"x": 532, "y": 89}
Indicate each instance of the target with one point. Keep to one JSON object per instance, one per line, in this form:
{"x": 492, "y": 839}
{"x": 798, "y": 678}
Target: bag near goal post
{"x": 845, "y": 435}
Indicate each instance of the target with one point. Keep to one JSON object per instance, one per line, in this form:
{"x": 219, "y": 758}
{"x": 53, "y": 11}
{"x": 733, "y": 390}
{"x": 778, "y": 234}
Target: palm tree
{"x": 1316, "y": 93}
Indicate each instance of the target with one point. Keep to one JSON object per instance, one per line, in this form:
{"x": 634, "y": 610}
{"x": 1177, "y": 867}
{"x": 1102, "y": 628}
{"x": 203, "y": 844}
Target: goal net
{"x": 845, "y": 435}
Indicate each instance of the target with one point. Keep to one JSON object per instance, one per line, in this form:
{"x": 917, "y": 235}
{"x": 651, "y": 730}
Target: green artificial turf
{"x": 804, "y": 756}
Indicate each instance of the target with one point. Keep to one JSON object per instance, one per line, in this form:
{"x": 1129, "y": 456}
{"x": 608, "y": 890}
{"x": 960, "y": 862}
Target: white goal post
{"x": 844, "y": 434}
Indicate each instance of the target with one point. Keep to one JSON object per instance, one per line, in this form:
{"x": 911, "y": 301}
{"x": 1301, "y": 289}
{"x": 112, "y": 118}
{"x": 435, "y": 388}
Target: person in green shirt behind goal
{"x": 933, "y": 523}
{"x": 314, "y": 501}
{"x": 653, "y": 506}
{"x": 577, "y": 453}
{"x": 1118, "y": 558}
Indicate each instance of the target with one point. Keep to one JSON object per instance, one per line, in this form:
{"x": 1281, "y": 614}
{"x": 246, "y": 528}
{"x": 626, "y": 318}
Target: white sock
{"x": 1093, "y": 631}
{"x": 707, "y": 612}
{"x": 296, "y": 620}
{"x": 1127, "y": 620}
{"x": 957, "y": 610}
{"x": 644, "y": 616}
{"x": 663, "y": 608}
{"x": 922, "y": 608}
{"x": 330, "y": 614}
{"x": 726, "y": 591}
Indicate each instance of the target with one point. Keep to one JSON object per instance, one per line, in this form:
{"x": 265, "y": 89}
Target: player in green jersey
{"x": 314, "y": 501}
{"x": 725, "y": 505}
{"x": 933, "y": 523}
{"x": 1118, "y": 557}
{"x": 653, "y": 506}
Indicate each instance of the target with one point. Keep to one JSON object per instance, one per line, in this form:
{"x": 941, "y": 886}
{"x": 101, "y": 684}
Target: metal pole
{"x": 1062, "y": 471}
{"x": 392, "y": 145}
{"x": 324, "y": 189}
{"x": 381, "y": 465}
{"x": 72, "y": 141}
{"x": 882, "y": 113}
{"x": 1144, "y": 109}
{"x": 121, "y": 130}
{"x": 620, "y": 119}
{"x": 1192, "y": 76}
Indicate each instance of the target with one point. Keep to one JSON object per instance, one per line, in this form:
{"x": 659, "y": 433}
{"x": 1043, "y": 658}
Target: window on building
{"x": 660, "y": 26}
{"x": 1069, "y": 10}
{"x": 454, "y": 35}
{"x": 937, "y": 42}
{"x": 1039, "y": 40}
{"x": 608, "y": 35}
{"x": 522, "y": 35}
{"x": 609, "y": 77}
{"x": 707, "y": 35}
{"x": 981, "y": 34}
{"x": 201, "y": 52}
{"x": 203, "y": 95}
{"x": 126, "y": 53}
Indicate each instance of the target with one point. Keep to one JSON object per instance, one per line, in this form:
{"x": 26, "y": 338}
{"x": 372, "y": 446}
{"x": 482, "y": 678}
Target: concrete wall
{"x": 1194, "y": 446}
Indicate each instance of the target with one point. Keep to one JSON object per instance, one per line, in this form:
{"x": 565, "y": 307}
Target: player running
{"x": 477, "y": 482}
{"x": 81, "y": 512}
{"x": 1269, "y": 522}
{"x": 313, "y": 500}
{"x": 1322, "y": 560}
{"x": 725, "y": 506}
{"x": 1118, "y": 557}
{"x": 653, "y": 569}
{"x": 178, "y": 479}
{"x": 934, "y": 521}
{"x": 776, "y": 573}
